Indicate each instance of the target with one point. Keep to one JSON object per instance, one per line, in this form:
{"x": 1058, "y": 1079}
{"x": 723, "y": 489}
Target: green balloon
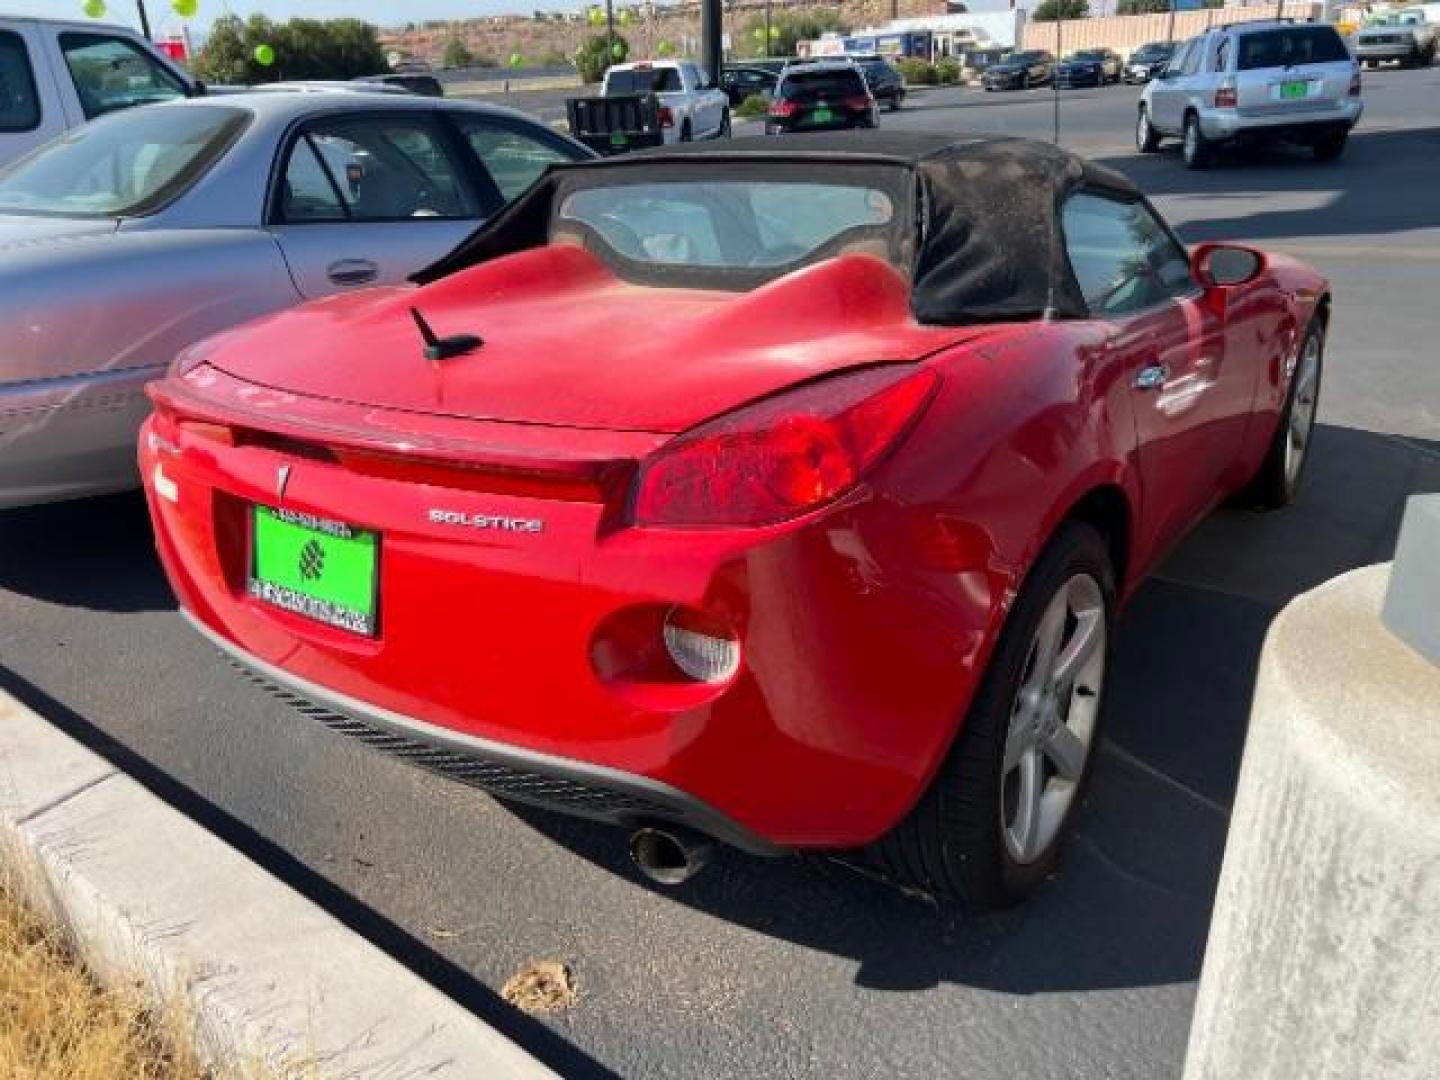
{"x": 516, "y": 60}
{"x": 186, "y": 9}
{"x": 617, "y": 50}
{"x": 264, "y": 55}
{"x": 95, "y": 9}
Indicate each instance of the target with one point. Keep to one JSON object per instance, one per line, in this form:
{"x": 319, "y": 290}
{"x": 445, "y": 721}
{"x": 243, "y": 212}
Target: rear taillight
{"x": 784, "y": 456}
{"x": 667, "y": 116}
{"x": 1225, "y": 97}
{"x": 783, "y": 108}
{"x": 1355, "y": 84}
{"x": 858, "y": 103}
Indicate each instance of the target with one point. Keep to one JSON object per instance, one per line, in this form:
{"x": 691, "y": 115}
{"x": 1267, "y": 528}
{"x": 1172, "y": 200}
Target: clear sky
{"x": 379, "y": 12}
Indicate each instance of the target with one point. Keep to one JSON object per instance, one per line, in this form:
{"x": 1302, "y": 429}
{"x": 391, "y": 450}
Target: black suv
{"x": 821, "y": 97}
{"x": 887, "y": 85}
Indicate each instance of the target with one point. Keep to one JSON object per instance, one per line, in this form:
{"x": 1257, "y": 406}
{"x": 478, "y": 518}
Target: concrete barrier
{"x": 1324, "y": 952}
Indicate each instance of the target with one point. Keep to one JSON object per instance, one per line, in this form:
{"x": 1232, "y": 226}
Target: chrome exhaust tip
{"x": 669, "y": 858}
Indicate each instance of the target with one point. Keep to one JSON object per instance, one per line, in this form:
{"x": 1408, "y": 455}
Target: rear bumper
{"x": 1223, "y": 124}
{"x": 1387, "y": 51}
{"x": 508, "y": 772}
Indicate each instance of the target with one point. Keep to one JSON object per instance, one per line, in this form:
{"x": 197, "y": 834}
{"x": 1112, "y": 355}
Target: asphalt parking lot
{"x": 804, "y": 969}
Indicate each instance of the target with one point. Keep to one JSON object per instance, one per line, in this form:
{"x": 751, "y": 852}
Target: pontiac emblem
{"x": 282, "y": 478}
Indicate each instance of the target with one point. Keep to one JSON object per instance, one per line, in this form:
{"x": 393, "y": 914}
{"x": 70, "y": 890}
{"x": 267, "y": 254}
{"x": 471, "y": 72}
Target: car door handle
{"x": 1151, "y": 377}
{"x": 352, "y": 271}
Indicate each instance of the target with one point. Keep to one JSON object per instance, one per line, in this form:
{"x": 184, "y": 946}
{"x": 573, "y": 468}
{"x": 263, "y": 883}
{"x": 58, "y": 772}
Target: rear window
{"x": 131, "y": 163}
{"x": 19, "y": 106}
{"x": 644, "y": 81}
{"x": 1154, "y": 52}
{"x": 1291, "y": 47}
{"x": 733, "y": 233}
{"x": 808, "y": 85}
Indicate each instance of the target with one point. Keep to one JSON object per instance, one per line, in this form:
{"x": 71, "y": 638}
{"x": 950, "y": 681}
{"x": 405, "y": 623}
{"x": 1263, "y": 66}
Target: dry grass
{"x": 57, "y": 1023}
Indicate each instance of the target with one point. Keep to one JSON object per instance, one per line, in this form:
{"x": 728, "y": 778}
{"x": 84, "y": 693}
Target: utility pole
{"x": 767, "y": 29}
{"x": 144, "y": 19}
{"x": 1170, "y": 33}
{"x": 711, "y": 40}
{"x": 609, "y": 32}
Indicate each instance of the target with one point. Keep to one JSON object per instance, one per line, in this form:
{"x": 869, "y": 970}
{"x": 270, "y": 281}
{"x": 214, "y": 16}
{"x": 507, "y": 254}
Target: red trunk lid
{"x": 568, "y": 344}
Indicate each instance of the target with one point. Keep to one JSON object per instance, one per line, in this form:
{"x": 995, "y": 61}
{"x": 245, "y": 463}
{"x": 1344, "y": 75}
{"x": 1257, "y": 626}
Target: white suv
{"x": 1254, "y": 82}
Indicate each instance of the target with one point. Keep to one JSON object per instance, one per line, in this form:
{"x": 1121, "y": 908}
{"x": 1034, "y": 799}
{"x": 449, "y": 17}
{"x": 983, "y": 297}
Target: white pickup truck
{"x": 692, "y": 106}
{"x": 56, "y": 75}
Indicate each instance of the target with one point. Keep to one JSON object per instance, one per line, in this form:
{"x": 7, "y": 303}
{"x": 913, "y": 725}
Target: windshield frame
{"x": 895, "y": 180}
{"x": 175, "y": 188}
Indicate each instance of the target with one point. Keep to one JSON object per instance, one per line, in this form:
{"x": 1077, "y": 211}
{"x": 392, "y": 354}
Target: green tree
{"x": 1142, "y": 7}
{"x": 786, "y": 29}
{"x": 304, "y": 49}
{"x": 597, "y": 54}
{"x": 1055, "y": 10}
{"x": 456, "y": 54}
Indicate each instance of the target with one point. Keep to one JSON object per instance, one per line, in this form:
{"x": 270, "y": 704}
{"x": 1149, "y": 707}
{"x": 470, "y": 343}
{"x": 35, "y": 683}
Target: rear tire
{"x": 1195, "y": 149}
{"x": 724, "y": 132}
{"x": 1330, "y": 147}
{"x": 1278, "y": 481}
{"x": 686, "y": 135}
{"x": 1147, "y": 139}
{"x": 966, "y": 837}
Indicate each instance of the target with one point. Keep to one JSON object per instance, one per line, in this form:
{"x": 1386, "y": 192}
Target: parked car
{"x": 1254, "y": 82}
{"x": 415, "y": 82}
{"x": 743, "y": 81}
{"x": 1089, "y": 67}
{"x": 817, "y": 543}
{"x": 887, "y": 85}
{"x": 1148, "y": 61}
{"x": 1404, "y": 36}
{"x": 821, "y": 96}
{"x": 137, "y": 234}
{"x": 1020, "y": 71}
{"x": 56, "y": 74}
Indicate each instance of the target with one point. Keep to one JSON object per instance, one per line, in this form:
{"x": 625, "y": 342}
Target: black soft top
{"x": 988, "y": 247}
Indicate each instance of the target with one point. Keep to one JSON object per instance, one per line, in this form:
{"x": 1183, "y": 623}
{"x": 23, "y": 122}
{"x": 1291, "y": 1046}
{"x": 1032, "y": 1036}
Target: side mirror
{"x": 197, "y": 89}
{"x": 1224, "y": 265}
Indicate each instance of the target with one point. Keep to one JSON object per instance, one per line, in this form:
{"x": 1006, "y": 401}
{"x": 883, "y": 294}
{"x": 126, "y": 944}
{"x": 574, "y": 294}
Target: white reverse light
{"x": 166, "y": 488}
{"x": 701, "y": 646}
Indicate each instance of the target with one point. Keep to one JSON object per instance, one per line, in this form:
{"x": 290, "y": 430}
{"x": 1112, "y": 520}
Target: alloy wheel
{"x": 1301, "y": 421}
{"x": 1052, "y": 723}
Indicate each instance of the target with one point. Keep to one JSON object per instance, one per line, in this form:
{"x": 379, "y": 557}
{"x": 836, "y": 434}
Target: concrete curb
{"x": 1324, "y": 951}
{"x": 152, "y": 898}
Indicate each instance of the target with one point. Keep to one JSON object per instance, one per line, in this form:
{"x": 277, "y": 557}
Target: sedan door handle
{"x": 1152, "y": 377}
{"x": 352, "y": 271}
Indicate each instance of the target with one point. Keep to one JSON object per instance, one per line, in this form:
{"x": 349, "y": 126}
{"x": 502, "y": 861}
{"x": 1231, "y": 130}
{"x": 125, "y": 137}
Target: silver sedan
{"x": 139, "y": 234}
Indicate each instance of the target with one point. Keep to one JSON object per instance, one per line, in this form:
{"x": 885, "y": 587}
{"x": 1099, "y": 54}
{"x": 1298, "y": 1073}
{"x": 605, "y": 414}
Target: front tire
{"x": 1147, "y": 139}
{"x": 724, "y": 132}
{"x": 990, "y": 828}
{"x": 686, "y": 135}
{"x": 1278, "y": 481}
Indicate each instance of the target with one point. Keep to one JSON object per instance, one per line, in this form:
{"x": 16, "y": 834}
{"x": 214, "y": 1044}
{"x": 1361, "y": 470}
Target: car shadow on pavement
{"x": 89, "y": 553}
{"x": 1132, "y": 904}
{"x": 1349, "y": 185}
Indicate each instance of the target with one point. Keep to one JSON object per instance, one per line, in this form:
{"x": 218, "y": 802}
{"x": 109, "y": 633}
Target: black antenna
{"x": 438, "y": 348}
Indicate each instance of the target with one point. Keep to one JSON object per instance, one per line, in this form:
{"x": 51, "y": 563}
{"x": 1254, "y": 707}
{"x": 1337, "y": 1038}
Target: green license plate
{"x": 323, "y": 570}
{"x": 619, "y": 138}
{"x": 1295, "y": 88}
{"x": 822, "y": 116}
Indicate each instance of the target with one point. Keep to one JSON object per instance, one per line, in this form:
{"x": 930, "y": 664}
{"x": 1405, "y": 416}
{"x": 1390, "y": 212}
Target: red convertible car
{"x": 780, "y": 493}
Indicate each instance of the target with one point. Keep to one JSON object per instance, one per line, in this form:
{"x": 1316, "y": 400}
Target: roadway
{"x": 804, "y": 969}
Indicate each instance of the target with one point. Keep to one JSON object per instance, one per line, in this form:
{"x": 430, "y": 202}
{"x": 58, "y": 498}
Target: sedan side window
{"x": 1122, "y": 256}
{"x": 375, "y": 168}
{"x": 114, "y": 73}
{"x": 19, "y": 105}
{"x": 513, "y": 158}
